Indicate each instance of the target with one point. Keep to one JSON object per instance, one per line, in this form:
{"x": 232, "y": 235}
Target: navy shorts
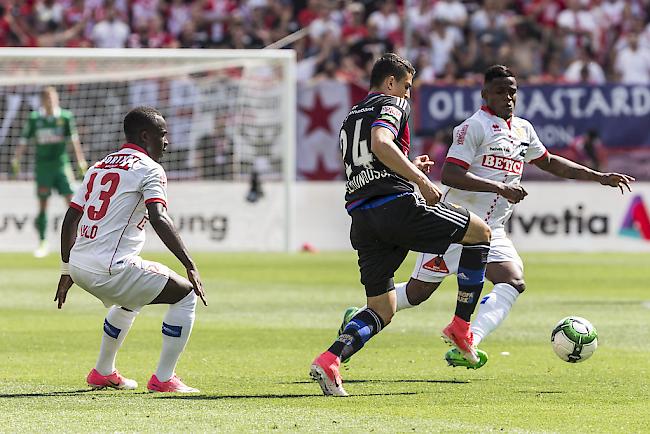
{"x": 383, "y": 234}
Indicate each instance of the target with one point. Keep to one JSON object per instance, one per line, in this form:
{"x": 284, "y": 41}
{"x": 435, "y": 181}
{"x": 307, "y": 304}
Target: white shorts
{"x": 434, "y": 268}
{"x": 134, "y": 284}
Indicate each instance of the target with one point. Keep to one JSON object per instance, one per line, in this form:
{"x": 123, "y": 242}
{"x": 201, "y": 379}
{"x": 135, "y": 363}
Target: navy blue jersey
{"x": 367, "y": 177}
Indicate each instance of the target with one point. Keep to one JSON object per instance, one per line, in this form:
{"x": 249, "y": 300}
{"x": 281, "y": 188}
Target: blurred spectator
{"x": 452, "y": 12}
{"x": 589, "y": 150}
{"x": 310, "y": 13}
{"x": 49, "y": 16}
{"x": 151, "y": 35}
{"x": 323, "y": 24}
{"x": 178, "y": 14}
{"x": 443, "y": 39}
{"x": 354, "y": 27}
{"x": 143, "y": 11}
{"x": 540, "y": 39}
{"x": 632, "y": 64}
{"x": 190, "y": 37}
{"x": 111, "y": 32}
{"x": 386, "y": 19}
{"x": 585, "y": 69}
{"x": 579, "y": 28}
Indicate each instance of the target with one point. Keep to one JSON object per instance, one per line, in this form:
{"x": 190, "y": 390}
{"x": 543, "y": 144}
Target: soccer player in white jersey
{"x": 101, "y": 238}
{"x": 482, "y": 173}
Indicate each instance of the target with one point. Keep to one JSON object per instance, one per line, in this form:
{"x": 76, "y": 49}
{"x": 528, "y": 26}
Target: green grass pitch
{"x": 271, "y": 314}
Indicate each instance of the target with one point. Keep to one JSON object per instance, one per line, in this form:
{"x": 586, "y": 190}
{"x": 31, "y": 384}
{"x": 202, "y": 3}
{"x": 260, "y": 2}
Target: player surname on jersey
{"x": 364, "y": 178}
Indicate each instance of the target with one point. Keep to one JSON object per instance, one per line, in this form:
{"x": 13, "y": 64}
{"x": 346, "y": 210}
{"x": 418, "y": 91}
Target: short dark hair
{"x": 138, "y": 119}
{"x": 497, "y": 71}
{"x": 387, "y": 65}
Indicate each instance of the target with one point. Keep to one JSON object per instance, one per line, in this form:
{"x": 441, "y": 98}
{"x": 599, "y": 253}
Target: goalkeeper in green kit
{"x": 50, "y": 129}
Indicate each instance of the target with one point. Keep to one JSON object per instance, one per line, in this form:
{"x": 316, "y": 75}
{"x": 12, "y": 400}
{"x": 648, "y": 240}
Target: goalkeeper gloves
{"x": 83, "y": 167}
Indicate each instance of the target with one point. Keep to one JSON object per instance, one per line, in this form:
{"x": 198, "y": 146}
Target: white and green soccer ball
{"x": 574, "y": 339}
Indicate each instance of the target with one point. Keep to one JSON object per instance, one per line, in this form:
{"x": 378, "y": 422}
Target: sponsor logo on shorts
{"x": 437, "y": 265}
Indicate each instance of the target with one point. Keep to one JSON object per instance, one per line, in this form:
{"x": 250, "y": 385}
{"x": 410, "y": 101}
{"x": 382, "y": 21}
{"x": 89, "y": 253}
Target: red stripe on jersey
{"x": 156, "y": 199}
{"x": 540, "y": 157}
{"x": 77, "y": 207}
{"x": 405, "y": 140}
{"x": 457, "y": 162}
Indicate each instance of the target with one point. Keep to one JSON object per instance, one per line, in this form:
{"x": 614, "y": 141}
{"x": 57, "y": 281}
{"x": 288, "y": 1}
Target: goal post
{"x": 231, "y": 117}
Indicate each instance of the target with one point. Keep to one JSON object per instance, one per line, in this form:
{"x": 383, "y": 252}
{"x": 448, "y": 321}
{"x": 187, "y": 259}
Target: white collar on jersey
{"x": 55, "y": 113}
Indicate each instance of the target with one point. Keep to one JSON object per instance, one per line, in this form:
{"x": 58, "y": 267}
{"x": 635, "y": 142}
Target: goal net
{"x": 230, "y": 113}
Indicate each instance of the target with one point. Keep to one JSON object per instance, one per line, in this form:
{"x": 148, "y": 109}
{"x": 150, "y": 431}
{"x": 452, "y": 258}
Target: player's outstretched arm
{"x": 164, "y": 227}
{"x": 68, "y": 238}
{"x": 384, "y": 148}
{"x": 82, "y": 164}
{"x": 560, "y": 166}
{"x": 458, "y": 177}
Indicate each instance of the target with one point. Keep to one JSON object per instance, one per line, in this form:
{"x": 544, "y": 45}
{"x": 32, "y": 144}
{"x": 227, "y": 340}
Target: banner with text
{"x": 562, "y": 216}
{"x": 559, "y": 113}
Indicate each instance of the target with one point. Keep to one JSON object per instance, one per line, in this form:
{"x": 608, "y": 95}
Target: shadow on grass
{"x": 37, "y": 394}
{"x": 408, "y": 380}
{"x": 540, "y": 392}
{"x": 274, "y": 396}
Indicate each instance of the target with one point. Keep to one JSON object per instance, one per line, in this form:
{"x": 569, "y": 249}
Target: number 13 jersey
{"x": 368, "y": 177}
{"x": 113, "y": 199}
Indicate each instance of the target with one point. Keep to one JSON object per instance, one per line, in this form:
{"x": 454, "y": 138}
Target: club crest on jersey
{"x": 392, "y": 111}
{"x": 519, "y": 132}
{"x": 503, "y": 163}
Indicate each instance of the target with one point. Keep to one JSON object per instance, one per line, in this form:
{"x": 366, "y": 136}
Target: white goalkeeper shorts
{"x": 133, "y": 284}
{"x": 434, "y": 268}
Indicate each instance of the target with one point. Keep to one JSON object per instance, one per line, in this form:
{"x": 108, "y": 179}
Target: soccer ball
{"x": 574, "y": 339}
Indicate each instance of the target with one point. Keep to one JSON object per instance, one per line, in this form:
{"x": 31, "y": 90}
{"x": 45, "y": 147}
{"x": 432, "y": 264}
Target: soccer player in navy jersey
{"x": 389, "y": 219}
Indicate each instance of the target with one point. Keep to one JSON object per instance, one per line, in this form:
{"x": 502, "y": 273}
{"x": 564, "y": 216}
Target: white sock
{"x": 116, "y": 326}
{"x": 400, "y": 294}
{"x": 493, "y": 309}
{"x": 402, "y": 299}
{"x": 176, "y": 329}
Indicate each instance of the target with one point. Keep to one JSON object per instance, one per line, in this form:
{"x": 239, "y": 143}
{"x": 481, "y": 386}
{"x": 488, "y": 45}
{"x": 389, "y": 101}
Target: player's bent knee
{"x": 419, "y": 291}
{"x": 518, "y": 284}
{"x": 175, "y": 290}
{"x": 478, "y": 231}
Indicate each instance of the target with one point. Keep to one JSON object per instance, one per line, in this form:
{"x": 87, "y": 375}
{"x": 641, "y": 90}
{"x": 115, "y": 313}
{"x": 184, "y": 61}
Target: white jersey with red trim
{"x": 113, "y": 200}
{"x": 492, "y": 148}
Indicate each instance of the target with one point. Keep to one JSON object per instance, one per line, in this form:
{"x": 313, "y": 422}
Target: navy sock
{"x": 471, "y": 274}
{"x": 357, "y": 332}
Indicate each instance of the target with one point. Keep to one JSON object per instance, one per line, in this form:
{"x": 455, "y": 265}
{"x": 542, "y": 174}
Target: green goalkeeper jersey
{"x": 50, "y": 135}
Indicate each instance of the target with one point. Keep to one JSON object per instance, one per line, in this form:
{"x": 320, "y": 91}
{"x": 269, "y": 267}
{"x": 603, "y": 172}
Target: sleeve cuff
{"x": 156, "y": 199}
{"x": 77, "y": 207}
{"x": 544, "y": 155}
{"x": 387, "y": 125}
{"x": 457, "y": 162}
